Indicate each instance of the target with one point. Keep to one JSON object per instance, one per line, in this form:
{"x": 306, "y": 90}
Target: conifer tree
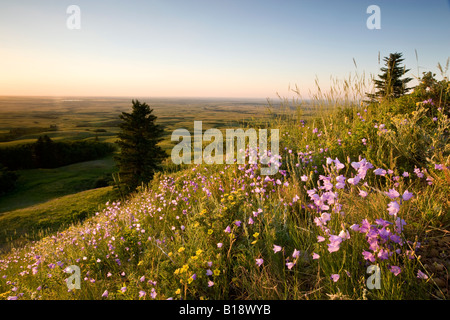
{"x": 390, "y": 84}
{"x": 140, "y": 156}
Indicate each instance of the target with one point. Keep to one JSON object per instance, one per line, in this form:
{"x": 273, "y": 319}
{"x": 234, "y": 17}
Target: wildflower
{"x": 335, "y": 242}
{"x": 365, "y": 226}
{"x": 354, "y": 181}
{"x": 325, "y": 217}
{"x": 320, "y": 239}
{"x": 407, "y": 195}
{"x": 379, "y": 172}
{"x": 304, "y": 178}
{"x": 181, "y": 249}
{"x": 178, "y": 291}
{"x": 383, "y": 254}
{"x": 216, "y": 272}
{"x": 142, "y": 294}
{"x": 395, "y": 270}
{"x": 334, "y": 277}
{"x": 210, "y": 231}
{"x": 418, "y": 172}
{"x": 256, "y": 234}
{"x": 438, "y": 167}
{"x": 219, "y": 245}
{"x": 184, "y": 268}
{"x": 209, "y": 272}
{"x": 392, "y": 194}
{"x": 227, "y": 229}
{"x": 123, "y": 289}
{"x": 153, "y": 293}
{"x": 296, "y": 253}
{"x": 315, "y": 256}
{"x": 368, "y": 256}
{"x": 363, "y": 193}
{"x": 290, "y": 265}
{"x": 382, "y": 222}
{"x": 237, "y": 223}
{"x": 142, "y": 279}
{"x": 198, "y": 252}
{"x": 421, "y": 275}
{"x": 259, "y": 262}
{"x": 344, "y": 235}
{"x": 250, "y": 220}
{"x": 276, "y": 248}
{"x": 405, "y": 174}
{"x": 395, "y": 238}
{"x": 210, "y": 283}
{"x": 393, "y": 208}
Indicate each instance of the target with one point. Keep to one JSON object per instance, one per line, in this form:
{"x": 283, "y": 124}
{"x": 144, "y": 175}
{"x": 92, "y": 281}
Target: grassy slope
{"x": 33, "y": 222}
{"x": 40, "y": 185}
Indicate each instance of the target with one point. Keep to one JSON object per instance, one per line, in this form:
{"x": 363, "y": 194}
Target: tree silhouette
{"x": 390, "y": 85}
{"x": 140, "y": 156}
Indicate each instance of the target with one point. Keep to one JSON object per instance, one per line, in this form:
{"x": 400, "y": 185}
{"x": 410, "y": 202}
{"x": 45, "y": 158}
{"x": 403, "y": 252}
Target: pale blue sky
{"x": 234, "y": 48}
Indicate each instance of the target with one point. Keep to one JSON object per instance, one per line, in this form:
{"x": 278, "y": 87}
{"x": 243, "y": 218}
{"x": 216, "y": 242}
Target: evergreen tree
{"x": 140, "y": 156}
{"x": 390, "y": 84}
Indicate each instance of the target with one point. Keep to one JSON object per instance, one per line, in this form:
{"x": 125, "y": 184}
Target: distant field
{"x": 91, "y": 118}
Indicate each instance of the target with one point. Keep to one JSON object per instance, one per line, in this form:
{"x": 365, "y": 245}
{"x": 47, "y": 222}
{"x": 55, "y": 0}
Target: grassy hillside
{"x": 39, "y": 185}
{"x": 359, "y": 188}
{"x": 32, "y": 223}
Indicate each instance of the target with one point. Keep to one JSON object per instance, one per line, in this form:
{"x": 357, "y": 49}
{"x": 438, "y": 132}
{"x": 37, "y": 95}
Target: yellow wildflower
{"x": 184, "y": 268}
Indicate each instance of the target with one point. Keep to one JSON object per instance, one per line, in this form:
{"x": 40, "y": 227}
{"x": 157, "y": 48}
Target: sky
{"x": 210, "y": 48}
